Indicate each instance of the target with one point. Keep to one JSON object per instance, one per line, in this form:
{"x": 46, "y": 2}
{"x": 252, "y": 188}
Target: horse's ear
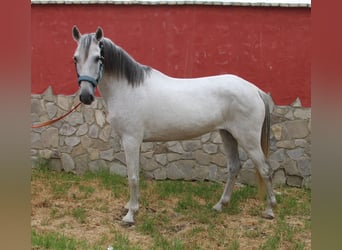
{"x": 99, "y": 34}
{"x": 76, "y": 33}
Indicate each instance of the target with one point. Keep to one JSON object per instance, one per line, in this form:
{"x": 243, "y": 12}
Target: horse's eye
{"x": 99, "y": 58}
{"x": 75, "y": 59}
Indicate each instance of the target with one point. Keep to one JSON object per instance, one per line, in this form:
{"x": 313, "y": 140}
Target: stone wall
{"x": 85, "y": 141}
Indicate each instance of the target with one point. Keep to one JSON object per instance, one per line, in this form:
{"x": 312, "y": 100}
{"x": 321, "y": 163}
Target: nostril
{"x": 86, "y": 99}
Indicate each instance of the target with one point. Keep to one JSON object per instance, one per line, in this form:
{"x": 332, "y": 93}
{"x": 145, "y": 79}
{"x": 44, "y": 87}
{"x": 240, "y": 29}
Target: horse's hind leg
{"x": 255, "y": 153}
{"x": 233, "y": 165}
{"x": 265, "y": 172}
{"x": 132, "y": 149}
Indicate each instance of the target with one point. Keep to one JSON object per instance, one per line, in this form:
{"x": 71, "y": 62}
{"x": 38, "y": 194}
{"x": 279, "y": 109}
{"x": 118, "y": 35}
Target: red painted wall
{"x": 267, "y": 46}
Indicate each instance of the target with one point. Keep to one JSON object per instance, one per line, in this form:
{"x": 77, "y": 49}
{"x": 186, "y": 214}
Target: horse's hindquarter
{"x": 178, "y": 109}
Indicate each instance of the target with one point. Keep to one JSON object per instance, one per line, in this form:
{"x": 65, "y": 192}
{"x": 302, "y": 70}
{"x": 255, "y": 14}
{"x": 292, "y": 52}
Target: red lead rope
{"x": 56, "y": 119}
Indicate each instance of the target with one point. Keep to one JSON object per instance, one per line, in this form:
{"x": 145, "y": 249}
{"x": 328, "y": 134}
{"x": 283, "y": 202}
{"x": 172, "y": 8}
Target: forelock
{"x": 85, "y": 42}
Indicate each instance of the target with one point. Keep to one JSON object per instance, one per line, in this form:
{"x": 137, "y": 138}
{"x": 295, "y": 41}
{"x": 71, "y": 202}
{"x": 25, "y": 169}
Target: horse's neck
{"x": 112, "y": 88}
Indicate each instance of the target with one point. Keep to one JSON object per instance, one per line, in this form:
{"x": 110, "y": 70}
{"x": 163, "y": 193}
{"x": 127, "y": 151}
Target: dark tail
{"x": 265, "y": 133}
{"x": 265, "y": 137}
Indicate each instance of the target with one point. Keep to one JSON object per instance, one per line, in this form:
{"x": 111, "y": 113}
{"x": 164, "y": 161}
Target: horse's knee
{"x": 234, "y": 168}
{"x": 265, "y": 175}
{"x": 264, "y": 170}
{"x": 133, "y": 181}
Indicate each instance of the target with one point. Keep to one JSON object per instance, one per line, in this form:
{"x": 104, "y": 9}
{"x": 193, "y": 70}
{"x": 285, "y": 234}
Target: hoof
{"x": 125, "y": 222}
{"x": 268, "y": 215}
{"x": 128, "y": 219}
{"x": 218, "y": 207}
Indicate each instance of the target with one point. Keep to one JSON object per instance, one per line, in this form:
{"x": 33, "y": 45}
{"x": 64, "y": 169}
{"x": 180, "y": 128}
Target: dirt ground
{"x": 52, "y": 212}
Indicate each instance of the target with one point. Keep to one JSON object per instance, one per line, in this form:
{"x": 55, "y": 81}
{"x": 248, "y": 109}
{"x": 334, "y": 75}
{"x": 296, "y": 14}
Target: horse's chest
{"x": 123, "y": 120}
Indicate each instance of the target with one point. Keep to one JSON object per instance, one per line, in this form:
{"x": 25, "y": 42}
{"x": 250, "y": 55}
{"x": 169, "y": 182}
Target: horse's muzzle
{"x": 86, "y": 98}
{"x": 86, "y": 92}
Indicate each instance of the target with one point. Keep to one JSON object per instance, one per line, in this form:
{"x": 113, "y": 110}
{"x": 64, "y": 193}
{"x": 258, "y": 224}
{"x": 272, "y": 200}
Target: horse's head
{"x": 88, "y": 59}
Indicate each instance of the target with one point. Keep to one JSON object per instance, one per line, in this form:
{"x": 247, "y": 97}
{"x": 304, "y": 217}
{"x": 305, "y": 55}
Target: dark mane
{"x": 119, "y": 63}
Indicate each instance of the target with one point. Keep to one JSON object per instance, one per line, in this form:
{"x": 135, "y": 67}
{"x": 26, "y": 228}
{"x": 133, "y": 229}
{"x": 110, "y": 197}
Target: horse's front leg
{"x": 132, "y": 147}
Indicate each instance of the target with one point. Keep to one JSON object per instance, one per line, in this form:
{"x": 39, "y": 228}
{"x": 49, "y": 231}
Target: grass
{"x": 56, "y": 241}
{"x": 79, "y": 214}
{"x": 85, "y": 212}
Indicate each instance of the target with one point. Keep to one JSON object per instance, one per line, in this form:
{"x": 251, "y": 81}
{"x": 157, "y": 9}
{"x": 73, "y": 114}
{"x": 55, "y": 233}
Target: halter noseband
{"x": 90, "y": 79}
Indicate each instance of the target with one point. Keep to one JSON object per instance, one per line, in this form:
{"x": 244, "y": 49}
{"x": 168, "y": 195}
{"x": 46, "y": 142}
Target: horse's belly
{"x": 179, "y": 129}
{"x": 175, "y": 135}
{"x": 172, "y": 136}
